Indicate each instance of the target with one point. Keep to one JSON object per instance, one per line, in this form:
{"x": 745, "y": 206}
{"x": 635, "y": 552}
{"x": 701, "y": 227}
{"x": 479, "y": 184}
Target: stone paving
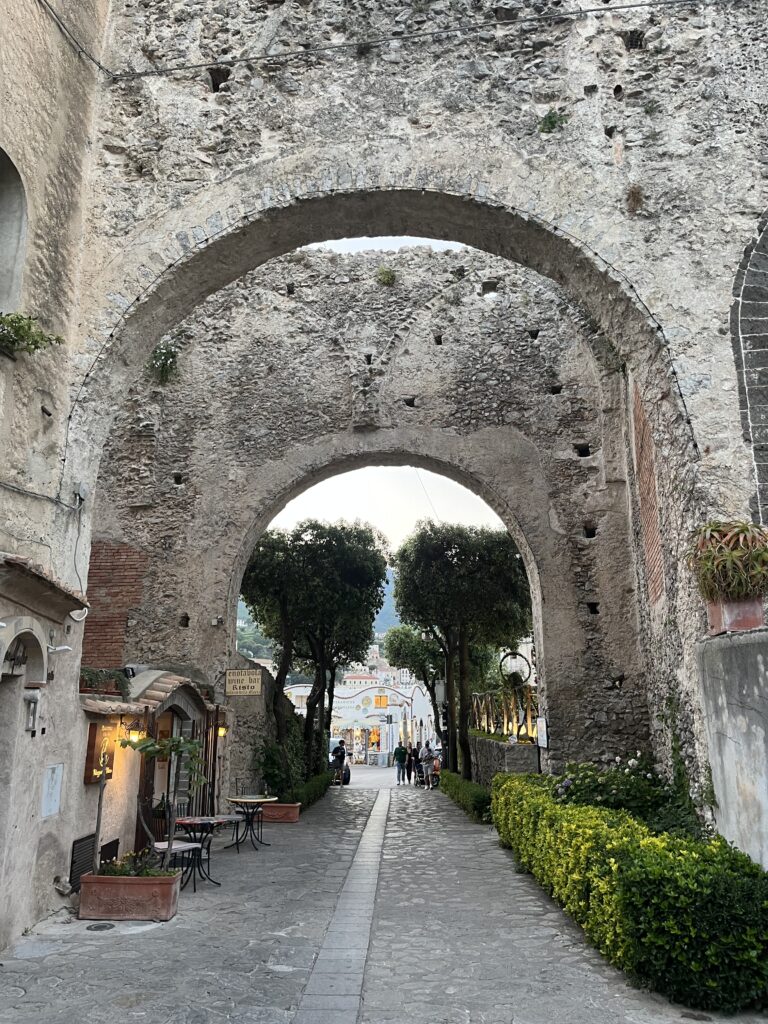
{"x": 380, "y": 906}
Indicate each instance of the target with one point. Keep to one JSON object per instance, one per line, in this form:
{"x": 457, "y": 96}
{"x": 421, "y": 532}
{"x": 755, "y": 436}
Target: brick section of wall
{"x": 645, "y": 471}
{"x": 115, "y": 585}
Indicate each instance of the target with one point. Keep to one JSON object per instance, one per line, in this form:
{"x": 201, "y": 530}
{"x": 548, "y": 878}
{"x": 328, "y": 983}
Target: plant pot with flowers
{"x": 136, "y": 887}
{"x": 730, "y": 563}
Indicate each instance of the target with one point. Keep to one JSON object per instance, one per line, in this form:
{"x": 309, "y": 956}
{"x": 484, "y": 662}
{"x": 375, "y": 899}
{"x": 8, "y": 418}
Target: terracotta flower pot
{"x": 734, "y": 616}
{"x": 281, "y": 812}
{"x": 122, "y": 898}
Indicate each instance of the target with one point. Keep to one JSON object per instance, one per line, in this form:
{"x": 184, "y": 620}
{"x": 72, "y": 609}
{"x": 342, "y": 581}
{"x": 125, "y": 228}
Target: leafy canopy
{"x": 450, "y": 576}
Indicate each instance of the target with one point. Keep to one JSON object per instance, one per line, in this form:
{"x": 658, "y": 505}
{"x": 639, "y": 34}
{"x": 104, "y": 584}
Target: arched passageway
{"x": 467, "y": 366}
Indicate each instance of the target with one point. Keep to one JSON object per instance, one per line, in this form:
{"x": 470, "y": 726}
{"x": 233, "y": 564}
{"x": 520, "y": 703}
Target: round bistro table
{"x": 250, "y": 806}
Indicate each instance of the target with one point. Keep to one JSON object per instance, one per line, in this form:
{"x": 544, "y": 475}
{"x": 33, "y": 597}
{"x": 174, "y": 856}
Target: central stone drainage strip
{"x": 335, "y": 986}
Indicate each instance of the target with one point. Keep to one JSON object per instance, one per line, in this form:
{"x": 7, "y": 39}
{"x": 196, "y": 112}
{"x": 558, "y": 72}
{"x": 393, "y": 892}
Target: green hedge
{"x": 472, "y": 798}
{"x": 312, "y": 790}
{"x": 687, "y": 918}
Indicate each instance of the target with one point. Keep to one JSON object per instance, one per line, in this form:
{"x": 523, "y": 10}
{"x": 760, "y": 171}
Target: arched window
{"x": 13, "y": 230}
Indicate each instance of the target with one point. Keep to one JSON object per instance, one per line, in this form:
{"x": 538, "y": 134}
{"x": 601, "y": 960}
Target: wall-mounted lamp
{"x": 55, "y": 650}
{"x": 31, "y": 701}
{"x": 222, "y": 730}
{"x": 134, "y": 730}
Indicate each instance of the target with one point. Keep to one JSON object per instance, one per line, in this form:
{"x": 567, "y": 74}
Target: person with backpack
{"x": 401, "y": 755}
{"x": 338, "y": 754}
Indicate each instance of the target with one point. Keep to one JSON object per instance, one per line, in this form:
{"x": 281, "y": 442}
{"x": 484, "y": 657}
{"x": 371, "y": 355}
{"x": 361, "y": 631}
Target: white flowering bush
{"x": 629, "y": 784}
{"x": 163, "y": 362}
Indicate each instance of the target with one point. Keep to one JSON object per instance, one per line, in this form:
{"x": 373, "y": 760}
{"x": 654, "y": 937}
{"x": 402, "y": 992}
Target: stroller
{"x": 421, "y": 777}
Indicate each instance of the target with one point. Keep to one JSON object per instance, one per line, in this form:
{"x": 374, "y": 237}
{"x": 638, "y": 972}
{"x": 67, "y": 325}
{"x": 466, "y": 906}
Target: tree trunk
{"x": 450, "y": 696}
{"x": 429, "y": 685}
{"x": 331, "y": 692}
{"x": 99, "y": 811}
{"x": 465, "y": 705}
{"x": 317, "y": 692}
{"x": 278, "y": 698}
{"x": 172, "y": 806}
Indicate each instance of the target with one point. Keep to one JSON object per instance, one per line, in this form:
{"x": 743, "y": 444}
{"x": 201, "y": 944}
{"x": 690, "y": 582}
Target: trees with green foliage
{"x": 315, "y": 591}
{"x": 466, "y": 587}
{"x": 404, "y": 647}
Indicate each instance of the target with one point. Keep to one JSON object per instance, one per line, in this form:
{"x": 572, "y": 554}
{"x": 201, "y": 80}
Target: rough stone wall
{"x": 489, "y": 758}
{"x": 313, "y": 347}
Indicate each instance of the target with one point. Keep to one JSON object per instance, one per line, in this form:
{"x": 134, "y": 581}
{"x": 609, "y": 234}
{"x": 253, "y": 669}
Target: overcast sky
{"x": 385, "y": 243}
{"x": 393, "y": 498}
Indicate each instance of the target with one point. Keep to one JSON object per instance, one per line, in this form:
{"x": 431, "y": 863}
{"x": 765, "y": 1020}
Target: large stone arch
{"x": 205, "y": 247}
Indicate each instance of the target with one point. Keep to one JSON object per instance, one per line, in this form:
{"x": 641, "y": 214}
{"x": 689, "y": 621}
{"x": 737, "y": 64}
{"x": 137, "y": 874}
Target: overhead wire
{"x": 426, "y": 492}
{"x": 471, "y": 28}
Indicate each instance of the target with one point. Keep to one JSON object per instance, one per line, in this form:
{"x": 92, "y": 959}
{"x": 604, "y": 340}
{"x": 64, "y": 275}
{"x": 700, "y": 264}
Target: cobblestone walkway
{"x": 424, "y": 921}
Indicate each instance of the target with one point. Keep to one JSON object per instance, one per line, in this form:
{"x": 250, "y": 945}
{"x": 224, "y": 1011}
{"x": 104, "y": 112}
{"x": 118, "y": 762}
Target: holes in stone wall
{"x": 634, "y": 39}
{"x": 582, "y": 450}
{"x": 590, "y": 531}
{"x": 410, "y": 401}
{"x": 290, "y": 288}
{"x": 590, "y": 90}
{"x": 489, "y": 285}
{"x": 618, "y": 92}
{"x": 438, "y": 338}
{"x": 217, "y": 76}
{"x": 555, "y": 389}
{"x": 593, "y": 607}
{"x": 178, "y": 479}
{"x": 368, "y": 358}
{"x": 45, "y": 410}
{"x": 184, "y": 621}
{"x": 533, "y": 333}
{"x": 610, "y": 131}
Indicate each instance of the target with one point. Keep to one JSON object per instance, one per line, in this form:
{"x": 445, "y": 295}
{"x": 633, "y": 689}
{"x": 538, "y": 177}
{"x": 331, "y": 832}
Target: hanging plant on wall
{"x": 730, "y": 563}
{"x": 20, "y": 333}
{"x": 163, "y": 363}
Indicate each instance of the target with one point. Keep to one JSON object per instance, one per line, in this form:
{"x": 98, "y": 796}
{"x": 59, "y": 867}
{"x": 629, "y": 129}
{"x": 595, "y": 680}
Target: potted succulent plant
{"x": 730, "y": 563}
{"x": 135, "y": 887}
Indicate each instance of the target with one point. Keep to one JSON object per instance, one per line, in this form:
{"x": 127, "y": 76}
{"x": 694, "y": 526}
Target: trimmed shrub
{"x": 687, "y": 918}
{"x": 312, "y": 790}
{"x": 473, "y": 799}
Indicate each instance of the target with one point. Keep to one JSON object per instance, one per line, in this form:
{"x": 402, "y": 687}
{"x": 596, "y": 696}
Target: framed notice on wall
{"x": 243, "y": 682}
{"x": 542, "y": 736}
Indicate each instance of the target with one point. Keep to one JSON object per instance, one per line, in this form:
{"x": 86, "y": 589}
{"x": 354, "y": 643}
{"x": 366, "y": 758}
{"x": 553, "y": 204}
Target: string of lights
{"x": 470, "y": 28}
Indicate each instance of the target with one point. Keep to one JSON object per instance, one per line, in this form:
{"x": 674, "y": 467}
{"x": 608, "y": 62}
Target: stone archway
{"x": 205, "y": 479}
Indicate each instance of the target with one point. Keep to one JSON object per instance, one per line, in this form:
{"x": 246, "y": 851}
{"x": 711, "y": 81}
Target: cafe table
{"x": 200, "y": 829}
{"x": 250, "y": 805}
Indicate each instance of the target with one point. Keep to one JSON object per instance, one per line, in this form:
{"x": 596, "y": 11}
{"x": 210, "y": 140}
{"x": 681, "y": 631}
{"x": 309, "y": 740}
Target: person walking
{"x": 401, "y": 755}
{"x": 410, "y": 766}
{"x": 427, "y": 758}
{"x": 338, "y": 754}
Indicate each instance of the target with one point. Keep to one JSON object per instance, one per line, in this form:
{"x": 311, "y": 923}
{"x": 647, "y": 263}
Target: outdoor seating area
{"x": 192, "y": 844}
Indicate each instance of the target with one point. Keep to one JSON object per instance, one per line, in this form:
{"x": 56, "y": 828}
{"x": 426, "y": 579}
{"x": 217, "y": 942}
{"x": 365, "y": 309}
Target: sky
{"x": 393, "y": 498}
{"x": 384, "y": 243}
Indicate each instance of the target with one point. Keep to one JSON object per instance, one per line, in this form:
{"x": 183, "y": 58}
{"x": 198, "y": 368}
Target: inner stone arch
{"x": 266, "y": 402}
